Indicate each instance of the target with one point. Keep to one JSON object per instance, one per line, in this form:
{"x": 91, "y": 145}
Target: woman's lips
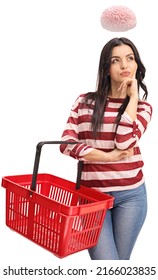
{"x": 125, "y": 73}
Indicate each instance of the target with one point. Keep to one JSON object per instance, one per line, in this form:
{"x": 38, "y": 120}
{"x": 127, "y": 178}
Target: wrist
{"x": 134, "y": 96}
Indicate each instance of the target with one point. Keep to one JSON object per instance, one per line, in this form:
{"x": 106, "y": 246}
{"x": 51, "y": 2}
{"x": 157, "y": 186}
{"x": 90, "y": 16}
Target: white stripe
{"x": 85, "y": 111}
{"x": 89, "y": 112}
{"x": 100, "y": 144}
{"x": 73, "y": 114}
{"x": 125, "y": 117}
{"x": 114, "y": 105}
{"x": 86, "y": 126}
{"x": 123, "y": 130}
{"x": 124, "y": 145}
{"x": 71, "y": 126}
{"x": 111, "y": 114}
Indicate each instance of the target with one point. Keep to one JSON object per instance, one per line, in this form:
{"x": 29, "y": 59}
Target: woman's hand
{"x": 129, "y": 87}
{"x": 117, "y": 154}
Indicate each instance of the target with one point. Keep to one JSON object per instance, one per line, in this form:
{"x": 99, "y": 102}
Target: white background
{"x": 49, "y": 54}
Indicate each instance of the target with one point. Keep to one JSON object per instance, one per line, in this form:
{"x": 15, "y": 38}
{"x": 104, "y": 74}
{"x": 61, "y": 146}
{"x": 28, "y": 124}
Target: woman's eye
{"x": 130, "y": 58}
{"x": 115, "y": 60}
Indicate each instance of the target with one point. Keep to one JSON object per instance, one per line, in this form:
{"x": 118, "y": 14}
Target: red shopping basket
{"x": 59, "y": 215}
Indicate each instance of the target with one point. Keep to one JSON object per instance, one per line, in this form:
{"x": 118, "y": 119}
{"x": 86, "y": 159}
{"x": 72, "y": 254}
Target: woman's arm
{"x": 134, "y": 120}
{"x": 130, "y": 131}
{"x": 130, "y": 87}
{"x": 115, "y": 155}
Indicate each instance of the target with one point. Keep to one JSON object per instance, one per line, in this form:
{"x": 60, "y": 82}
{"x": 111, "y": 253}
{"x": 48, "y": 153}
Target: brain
{"x": 118, "y": 18}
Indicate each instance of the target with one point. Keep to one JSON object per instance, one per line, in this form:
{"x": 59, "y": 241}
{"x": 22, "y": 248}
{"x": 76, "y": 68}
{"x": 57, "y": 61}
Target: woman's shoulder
{"x": 143, "y": 104}
{"x": 79, "y": 101}
{"x": 89, "y": 94}
{"x": 85, "y": 97}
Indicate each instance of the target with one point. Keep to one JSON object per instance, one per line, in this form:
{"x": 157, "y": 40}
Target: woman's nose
{"x": 123, "y": 65}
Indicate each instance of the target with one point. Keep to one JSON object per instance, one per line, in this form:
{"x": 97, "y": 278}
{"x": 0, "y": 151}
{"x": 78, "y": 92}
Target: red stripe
{"x": 70, "y": 133}
{"x": 112, "y": 167}
{"x": 111, "y": 110}
{"x": 142, "y": 120}
{"x": 84, "y": 118}
{"x": 88, "y": 117}
{"x": 107, "y": 136}
{"x": 72, "y": 120}
{"x": 136, "y": 151}
{"x": 123, "y": 182}
{"x": 122, "y": 138}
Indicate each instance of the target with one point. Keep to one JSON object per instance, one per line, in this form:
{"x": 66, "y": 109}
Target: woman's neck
{"x": 115, "y": 94}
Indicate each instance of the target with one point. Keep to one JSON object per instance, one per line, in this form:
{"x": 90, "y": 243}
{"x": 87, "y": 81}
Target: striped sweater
{"x": 107, "y": 176}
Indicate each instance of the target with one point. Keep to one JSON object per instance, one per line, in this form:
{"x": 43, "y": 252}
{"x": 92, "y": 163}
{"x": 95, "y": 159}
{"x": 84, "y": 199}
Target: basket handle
{"x": 37, "y": 160}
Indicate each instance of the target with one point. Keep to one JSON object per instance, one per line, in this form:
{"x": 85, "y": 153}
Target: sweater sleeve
{"x": 129, "y": 131}
{"x": 71, "y": 133}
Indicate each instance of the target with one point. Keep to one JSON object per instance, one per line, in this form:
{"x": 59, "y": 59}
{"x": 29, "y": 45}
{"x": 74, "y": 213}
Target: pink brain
{"x": 118, "y": 18}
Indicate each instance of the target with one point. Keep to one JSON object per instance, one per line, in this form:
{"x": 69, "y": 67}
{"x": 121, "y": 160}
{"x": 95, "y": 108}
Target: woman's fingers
{"x": 120, "y": 154}
{"x": 128, "y": 86}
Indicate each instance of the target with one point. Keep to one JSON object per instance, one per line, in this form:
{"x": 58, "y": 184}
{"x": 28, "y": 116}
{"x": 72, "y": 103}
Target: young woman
{"x": 108, "y": 125}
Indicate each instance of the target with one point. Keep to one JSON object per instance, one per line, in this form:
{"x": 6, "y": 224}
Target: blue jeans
{"x": 122, "y": 225}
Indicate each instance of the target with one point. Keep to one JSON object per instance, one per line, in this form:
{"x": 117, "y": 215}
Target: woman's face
{"x": 123, "y": 64}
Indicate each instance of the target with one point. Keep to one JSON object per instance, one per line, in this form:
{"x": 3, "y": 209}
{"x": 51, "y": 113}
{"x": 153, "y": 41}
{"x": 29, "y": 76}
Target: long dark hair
{"x": 104, "y": 82}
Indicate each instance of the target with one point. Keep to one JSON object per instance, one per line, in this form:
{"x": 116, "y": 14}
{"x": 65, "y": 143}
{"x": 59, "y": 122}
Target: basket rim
{"x": 104, "y": 201}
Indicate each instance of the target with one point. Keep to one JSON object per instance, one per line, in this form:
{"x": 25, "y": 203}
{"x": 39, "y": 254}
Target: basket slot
{"x": 16, "y": 212}
{"x": 47, "y": 228}
{"x": 60, "y": 195}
